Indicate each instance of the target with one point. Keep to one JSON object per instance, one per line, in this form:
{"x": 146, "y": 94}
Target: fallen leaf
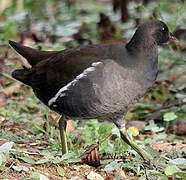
{"x": 28, "y": 160}
{"x": 170, "y": 170}
{"x": 180, "y": 128}
{"x": 112, "y": 166}
{"x": 178, "y": 161}
{"x": 20, "y": 168}
{"x": 6, "y": 147}
{"x": 110, "y": 176}
{"x": 121, "y": 173}
{"x": 94, "y": 176}
{"x": 10, "y": 90}
{"x": 60, "y": 171}
{"x": 2, "y": 99}
{"x": 168, "y": 147}
{"x": 170, "y": 116}
{"x": 133, "y": 131}
{"x": 91, "y": 156}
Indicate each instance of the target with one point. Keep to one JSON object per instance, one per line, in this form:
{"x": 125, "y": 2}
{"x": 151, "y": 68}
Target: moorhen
{"x": 96, "y": 81}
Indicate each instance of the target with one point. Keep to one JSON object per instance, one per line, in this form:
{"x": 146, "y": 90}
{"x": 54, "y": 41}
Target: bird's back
{"x": 87, "y": 82}
{"x": 56, "y": 70}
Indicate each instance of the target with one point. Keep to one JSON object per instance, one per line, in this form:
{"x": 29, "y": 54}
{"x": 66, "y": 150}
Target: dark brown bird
{"x": 97, "y": 81}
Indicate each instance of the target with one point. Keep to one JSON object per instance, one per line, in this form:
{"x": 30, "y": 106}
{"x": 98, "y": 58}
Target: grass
{"x": 29, "y": 137}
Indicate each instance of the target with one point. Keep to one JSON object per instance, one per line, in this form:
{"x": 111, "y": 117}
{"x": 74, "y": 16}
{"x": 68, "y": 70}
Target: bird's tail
{"x": 22, "y": 75}
{"x": 33, "y": 56}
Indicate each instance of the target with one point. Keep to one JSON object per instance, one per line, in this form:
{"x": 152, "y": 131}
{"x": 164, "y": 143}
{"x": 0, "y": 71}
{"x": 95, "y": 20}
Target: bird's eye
{"x": 164, "y": 29}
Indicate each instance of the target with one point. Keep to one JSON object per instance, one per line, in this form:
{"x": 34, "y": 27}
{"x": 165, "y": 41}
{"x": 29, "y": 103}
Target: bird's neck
{"x": 144, "y": 47}
{"x": 140, "y": 44}
{"x": 144, "y": 50}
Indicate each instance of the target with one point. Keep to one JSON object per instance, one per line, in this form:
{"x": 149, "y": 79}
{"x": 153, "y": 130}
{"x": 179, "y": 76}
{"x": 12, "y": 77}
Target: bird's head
{"x": 157, "y": 30}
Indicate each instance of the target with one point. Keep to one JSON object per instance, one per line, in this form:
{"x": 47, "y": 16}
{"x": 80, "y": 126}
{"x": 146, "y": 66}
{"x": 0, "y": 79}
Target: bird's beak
{"x": 173, "y": 39}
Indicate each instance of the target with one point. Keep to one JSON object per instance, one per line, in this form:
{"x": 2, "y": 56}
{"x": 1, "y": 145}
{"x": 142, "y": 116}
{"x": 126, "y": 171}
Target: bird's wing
{"x": 105, "y": 87}
{"x": 47, "y": 76}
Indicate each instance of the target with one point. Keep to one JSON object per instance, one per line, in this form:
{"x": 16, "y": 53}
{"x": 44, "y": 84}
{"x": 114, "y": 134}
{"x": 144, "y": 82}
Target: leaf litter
{"x": 27, "y": 134}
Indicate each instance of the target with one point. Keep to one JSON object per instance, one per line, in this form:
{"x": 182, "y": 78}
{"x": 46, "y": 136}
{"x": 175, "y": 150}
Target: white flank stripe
{"x": 62, "y": 93}
{"x": 96, "y": 63}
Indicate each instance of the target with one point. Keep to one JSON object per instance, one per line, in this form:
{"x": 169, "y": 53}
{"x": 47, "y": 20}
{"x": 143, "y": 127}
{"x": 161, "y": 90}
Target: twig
{"x": 156, "y": 112}
{"x": 168, "y": 106}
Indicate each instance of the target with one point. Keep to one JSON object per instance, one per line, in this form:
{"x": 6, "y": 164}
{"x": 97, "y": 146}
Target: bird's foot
{"x": 154, "y": 164}
{"x": 148, "y": 160}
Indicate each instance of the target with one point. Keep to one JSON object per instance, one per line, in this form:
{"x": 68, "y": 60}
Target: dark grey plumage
{"x": 113, "y": 84}
{"x": 98, "y": 81}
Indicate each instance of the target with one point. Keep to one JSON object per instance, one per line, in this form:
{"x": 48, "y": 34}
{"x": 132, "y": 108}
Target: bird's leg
{"x": 126, "y": 138}
{"x": 62, "y": 129}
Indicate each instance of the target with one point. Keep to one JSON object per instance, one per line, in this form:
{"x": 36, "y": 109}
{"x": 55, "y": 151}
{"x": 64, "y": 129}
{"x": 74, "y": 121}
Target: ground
{"x": 29, "y": 136}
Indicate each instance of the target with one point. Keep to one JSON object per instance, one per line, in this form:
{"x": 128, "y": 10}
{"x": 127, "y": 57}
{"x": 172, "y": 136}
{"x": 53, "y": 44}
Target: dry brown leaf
{"x": 179, "y": 128}
{"x": 10, "y": 90}
{"x": 110, "y": 176}
{"x": 168, "y": 147}
{"x": 2, "y": 99}
{"x": 91, "y": 156}
{"x": 121, "y": 173}
{"x": 12, "y": 125}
